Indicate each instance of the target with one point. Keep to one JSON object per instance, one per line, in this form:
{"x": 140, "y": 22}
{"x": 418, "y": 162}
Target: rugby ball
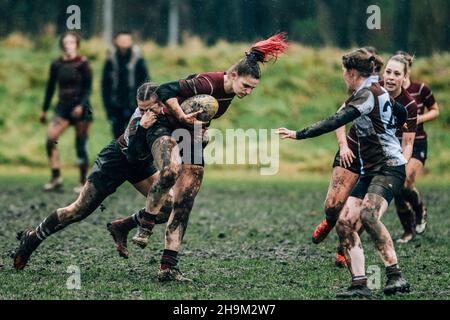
{"x": 208, "y": 104}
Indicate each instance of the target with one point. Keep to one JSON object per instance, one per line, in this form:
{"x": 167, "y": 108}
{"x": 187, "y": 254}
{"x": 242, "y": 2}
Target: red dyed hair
{"x": 272, "y": 47}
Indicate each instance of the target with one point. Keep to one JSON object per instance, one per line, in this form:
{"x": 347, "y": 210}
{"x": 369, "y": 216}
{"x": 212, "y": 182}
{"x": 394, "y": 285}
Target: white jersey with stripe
{"x": 375, "y": 128}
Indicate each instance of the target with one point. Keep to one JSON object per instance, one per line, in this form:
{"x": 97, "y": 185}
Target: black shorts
{"x": 420, "y": 150}
{"x": 387, "y": 183}
{"x": 190, "y": 152}
{"x": 111, "y": 169}
{"x": 65, "y": 112}
{"x": 355, "y": 167}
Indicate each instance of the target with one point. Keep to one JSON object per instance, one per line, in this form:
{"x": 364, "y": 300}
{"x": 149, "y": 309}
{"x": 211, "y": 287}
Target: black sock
{"x": 145, "y": 219}
{"x": 56, "y": 173}
{"x": 49, "y": 226}
{"x": 393, "y": 271}
{"x": 359, "y": 281}
{"x": 406, "y": 219}
{"x": 169, "y": 259}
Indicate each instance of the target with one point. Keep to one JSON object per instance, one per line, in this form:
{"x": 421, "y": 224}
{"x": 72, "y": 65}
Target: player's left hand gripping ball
{"x": 202, "y": 102}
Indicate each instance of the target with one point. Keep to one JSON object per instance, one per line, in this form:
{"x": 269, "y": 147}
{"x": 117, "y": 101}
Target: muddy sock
{"x": 359, "y": 281}
{"x": 393, "y": 272}
{"x": 406, "y": 219}
{"x": 168, "y": 259}
{"x": 145, "y": 219}
{"x": 48, "y": 227}
{"x": 420, "y": 212}
{"x": 413, "y": 197}
{"x": 56, "y": 173}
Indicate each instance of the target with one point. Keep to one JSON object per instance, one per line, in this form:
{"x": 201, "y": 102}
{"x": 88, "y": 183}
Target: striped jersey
{"x": 375, "y": 129}
{"x": 424, "y": 99}
{"x": 211, "y": 83}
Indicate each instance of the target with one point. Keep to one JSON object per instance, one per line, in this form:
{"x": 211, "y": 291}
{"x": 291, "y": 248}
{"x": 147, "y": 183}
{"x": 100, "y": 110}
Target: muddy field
{"x": 246, "y": 240}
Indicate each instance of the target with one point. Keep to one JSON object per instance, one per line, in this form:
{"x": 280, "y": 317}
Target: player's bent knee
{"x": 368, "y": 218}
{"x": 169, "y": 174}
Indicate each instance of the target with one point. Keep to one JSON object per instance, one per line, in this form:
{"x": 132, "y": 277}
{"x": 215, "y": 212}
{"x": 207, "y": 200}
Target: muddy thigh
{"x": 86, "y": 203}
{"x": 185, "y": 191}
{"x": 168, "y": 161}
{"x": 341, "y": 185}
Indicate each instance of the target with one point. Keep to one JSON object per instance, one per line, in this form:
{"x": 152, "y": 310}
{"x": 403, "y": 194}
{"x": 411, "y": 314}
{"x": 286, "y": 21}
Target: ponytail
{"x": 261, "y": 52}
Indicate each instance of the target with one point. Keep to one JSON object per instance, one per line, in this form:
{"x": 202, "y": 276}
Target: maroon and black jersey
{"x": 424, "y": 99}
{"x": 410, "y": 105}
{"x": 405, "y": 99}
{"x": 74, "y": 78}
{"x": 211, "y": 83}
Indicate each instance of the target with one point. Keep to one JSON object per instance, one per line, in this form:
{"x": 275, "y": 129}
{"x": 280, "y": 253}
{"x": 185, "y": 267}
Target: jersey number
{"x": 391, "y": 122}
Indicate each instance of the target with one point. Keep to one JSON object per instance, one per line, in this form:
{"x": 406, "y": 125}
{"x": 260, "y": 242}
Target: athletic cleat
{"x": 422, "y": 225}
{"x": 359, "y": 291}
{"x": 27, "y": 246}
{"x": 172, "y": 274}
{"x": 78, "y": 189}
{"x": 141, "y": 237}
{"x": 322, "y": 231}
{"x": 396, "y": 285}
{"x": 54, "y": 184}
{"x": 119, "y": 234}
{"x": 405, "y": 238}
{"x": 340, "y": 261}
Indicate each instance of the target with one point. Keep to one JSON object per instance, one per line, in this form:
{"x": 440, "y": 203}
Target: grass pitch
{"x": 246, "y": 240}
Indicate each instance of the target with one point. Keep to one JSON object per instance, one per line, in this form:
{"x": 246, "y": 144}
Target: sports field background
{"x": 304, "y": 86}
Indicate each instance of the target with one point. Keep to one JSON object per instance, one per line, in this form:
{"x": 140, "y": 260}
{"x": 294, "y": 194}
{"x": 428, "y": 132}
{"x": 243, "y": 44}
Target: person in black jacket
{"x": 124, "y": 71}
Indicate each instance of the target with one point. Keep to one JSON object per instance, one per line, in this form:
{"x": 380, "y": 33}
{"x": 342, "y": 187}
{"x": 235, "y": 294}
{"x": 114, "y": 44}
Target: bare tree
{"x": 108, "y": 17}
{"x": 174, "y": 22}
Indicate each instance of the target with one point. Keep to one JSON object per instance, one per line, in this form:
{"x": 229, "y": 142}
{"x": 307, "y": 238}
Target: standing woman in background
{"x": 73, "y": 75}
{"x": 415, "y": 215}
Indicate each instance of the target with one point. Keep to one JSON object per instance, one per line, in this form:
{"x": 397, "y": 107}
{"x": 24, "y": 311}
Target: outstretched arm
{"x": 337, "y": 120}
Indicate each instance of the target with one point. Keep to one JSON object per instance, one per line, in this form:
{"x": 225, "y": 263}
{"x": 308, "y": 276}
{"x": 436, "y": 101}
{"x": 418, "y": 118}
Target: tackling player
{"x": 184, "y": 173}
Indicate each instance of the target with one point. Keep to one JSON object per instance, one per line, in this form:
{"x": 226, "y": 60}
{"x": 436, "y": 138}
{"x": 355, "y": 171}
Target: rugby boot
{"x": 171, "y": 274}
{"x": 141, "y": 237}
{"x": 78, "y": 189}
{"x": 322, "y": 231}
{"x": 28, "y": 243}
{"x": 119, "y": 230}
{"x": 396, "y": 285}
{"x": 54, "y": 184}
{"x": 355, "y": 291}
{"x": 406, "y": 237}
{"x": 340, "y": 261}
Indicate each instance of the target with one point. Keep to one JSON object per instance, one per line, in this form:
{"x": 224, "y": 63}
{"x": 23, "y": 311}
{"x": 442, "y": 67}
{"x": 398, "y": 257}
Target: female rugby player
{"x": 73, "y": 75}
